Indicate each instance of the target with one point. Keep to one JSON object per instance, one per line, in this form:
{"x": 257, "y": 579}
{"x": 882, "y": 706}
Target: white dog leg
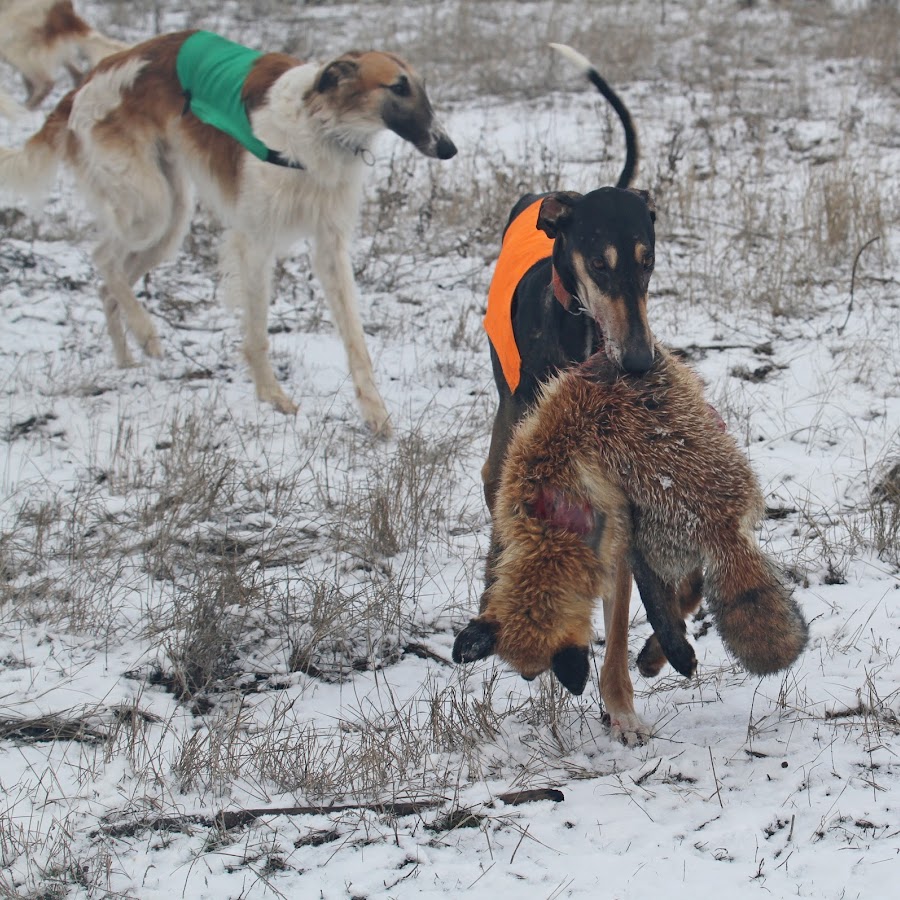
{"x": 332, "y": 265}
{"x": 247, "y": 278}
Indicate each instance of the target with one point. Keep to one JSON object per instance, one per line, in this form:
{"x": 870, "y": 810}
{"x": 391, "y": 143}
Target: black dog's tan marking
{"x": 590, "y": 291}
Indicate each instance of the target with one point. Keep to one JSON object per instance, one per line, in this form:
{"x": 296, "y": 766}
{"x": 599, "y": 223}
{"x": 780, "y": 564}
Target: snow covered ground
{"x": 207, "y": 607}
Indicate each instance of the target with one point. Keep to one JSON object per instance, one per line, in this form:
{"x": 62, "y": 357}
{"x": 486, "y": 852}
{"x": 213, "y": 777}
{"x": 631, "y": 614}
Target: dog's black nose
{"x": 445, "y": 149}
{"x": 637, "y": 360}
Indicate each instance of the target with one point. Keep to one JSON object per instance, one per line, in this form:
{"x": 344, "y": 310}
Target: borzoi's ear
{"x": 476, "y": 641}
{"x": 571, "y": 666}
{"x": 647, "y": 198}
{"x": 556, "y": 211}
{"x": 336, "y": 72}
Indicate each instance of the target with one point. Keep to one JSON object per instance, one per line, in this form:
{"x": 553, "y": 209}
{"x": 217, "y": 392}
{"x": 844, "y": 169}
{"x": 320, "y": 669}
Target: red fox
{"x": 609, "y": 467}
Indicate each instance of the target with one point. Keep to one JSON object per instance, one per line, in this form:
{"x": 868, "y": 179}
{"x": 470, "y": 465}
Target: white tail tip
{"x": 582, "y": 62}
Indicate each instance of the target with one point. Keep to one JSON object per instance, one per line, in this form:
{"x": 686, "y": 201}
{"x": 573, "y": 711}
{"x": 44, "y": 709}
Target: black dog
{"x": 578, "y": 287}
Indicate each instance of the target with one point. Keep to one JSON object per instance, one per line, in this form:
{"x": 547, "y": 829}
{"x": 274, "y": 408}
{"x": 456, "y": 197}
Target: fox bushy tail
{"x": 756, "y": 616}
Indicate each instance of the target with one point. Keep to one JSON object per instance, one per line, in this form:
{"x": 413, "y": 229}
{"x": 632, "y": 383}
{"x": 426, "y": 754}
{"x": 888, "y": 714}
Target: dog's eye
{"x": 400, "y": 87}
{"x": 598, "y": 264}
{"x": 648, "y": 262}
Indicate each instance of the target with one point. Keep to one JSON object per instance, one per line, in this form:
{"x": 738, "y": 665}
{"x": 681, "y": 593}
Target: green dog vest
{"x": 211, "y": 71}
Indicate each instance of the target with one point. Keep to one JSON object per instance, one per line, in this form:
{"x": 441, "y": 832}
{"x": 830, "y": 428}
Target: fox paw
{"x": 572, "y": 666}
{"x": 476, "y": 641}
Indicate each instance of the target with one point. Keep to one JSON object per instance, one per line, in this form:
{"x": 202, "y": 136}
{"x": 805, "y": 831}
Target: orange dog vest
{"x": 523, "y": 246}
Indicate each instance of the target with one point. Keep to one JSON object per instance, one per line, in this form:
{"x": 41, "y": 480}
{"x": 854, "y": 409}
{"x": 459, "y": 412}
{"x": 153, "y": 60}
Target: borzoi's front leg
{"x": 247, "y": 278}
{"x": 332, "y": 265}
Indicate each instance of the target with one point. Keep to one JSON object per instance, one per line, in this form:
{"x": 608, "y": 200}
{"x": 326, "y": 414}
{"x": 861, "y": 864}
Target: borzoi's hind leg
{"x": 247, "y": 279}
{"x": 139, "y": 263}
{"x": 111, "y": 258}
{"x": 124, "y": 359}
{"x": 145, "y": 219}
{"x": 37, "y": 88}
{"x": 332, "y": 265}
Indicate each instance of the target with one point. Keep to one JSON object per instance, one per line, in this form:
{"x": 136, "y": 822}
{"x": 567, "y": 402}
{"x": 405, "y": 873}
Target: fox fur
{"x": 608, "y": 463}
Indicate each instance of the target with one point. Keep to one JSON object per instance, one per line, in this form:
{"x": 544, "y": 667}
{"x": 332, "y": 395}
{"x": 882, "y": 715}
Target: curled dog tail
{"x": 593, "y": 76}
{"x": 30, "y": 171}
{"x": 758, "y": 619}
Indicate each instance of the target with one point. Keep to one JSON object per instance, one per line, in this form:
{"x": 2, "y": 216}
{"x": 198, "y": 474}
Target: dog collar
{"x": 559, "y": 291}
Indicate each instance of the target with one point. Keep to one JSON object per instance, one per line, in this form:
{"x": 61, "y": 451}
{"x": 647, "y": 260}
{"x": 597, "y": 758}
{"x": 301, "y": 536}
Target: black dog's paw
{"x": 572, "y": 666}
{"x": 476, "y": 641}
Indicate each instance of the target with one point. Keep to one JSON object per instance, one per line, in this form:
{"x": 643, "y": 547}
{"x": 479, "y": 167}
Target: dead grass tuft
{"x": 868, "y": 34}
{"x": 262, "y": 567}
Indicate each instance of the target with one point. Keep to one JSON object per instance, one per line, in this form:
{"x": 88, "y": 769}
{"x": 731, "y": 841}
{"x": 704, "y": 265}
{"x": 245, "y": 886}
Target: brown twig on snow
{"x": 236, "y": 818}
{"x": 716, "y": 778}
{"x": 642, "y": 778}
{"x": 859, "y": 253}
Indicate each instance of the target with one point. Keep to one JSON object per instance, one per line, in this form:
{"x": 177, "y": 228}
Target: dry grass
{"x": 253, "y": 579}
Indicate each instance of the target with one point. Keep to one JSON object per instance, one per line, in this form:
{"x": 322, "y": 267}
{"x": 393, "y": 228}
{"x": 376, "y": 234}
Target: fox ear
{"x": 556, "y": 211}
{"x": 476, "y": 641}
{"x": 571, "y": 666}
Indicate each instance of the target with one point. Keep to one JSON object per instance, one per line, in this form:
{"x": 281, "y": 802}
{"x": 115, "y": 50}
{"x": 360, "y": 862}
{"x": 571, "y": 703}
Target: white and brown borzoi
{"x": 134, "y": 148}
{"x": 40, "y": 37}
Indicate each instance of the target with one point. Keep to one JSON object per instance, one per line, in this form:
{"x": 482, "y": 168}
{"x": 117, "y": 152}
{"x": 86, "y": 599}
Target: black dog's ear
{"x": 572, "y": 666}
{"x": 334, "y": 73}
{"x": 645, "y": 196}
{"x": 476, "y": 641}
{"x": 556, "y": 210}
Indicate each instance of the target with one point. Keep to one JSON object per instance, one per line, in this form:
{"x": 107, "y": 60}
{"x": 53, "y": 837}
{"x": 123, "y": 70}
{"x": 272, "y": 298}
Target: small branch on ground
{"x": 236, "y": 818}
{"x": 859, "y": 253}
{"x": 716, "y": 778}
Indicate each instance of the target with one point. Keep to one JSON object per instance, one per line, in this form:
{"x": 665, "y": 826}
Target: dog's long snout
{"x": 636, "y": 360}
{"x": 412, "y": 118}
{"x": 633, "y": 344}
{"x": 437, "y": 145}
{"x": 445, "y": 148}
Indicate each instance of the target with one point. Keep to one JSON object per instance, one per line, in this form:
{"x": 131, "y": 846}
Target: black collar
{"x": 277, "y": 159}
